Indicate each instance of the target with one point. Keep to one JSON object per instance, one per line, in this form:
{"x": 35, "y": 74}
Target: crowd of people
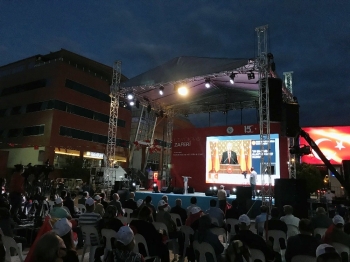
{"x": 61, "y": 234}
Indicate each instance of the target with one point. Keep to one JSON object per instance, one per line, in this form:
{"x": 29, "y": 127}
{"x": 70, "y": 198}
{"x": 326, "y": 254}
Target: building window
{"x": 14, "y": 132}
{"x": 23, "y": 87}
{"x": 16, "y": 110}
{"x": 87, "y": 90}
{"x": 34, "y": 107}
{"x": 34, "y": 130}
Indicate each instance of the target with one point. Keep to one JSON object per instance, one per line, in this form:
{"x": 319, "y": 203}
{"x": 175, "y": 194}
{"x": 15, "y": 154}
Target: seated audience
{"x": 103, "y": 200}
{"x": 131, "y": 203}
{"x": 215, "y": 212}
{"x": 288, "y": 218}
{"x": 193, "y": 204}
{"x": 233, "y": 212}
{"x": 203, "y": 234}
{"x": 304, "y": 243}
{"x": 275, "y": 223}
{"x": 7, "y": 225}
{"x": 261, "y": 219}
{"x": 237, "y": 251}
{"x": 50, "y": 248}
{"x": 335, "y": 233}
{"x": 115, "y": 202}
{"x": 110, "y": 220}
{"x": 98, "y": 206}
{"x": 63, "y": 228}
{"x": 139, "y": 204}
{"x": 177, "y": 209}
{"x": 124, "y": 250}
{"x": 148, "y": 203}
{"x": 165, "y": 198}
{"x": 321, "y": 220}
{"x": 83, "y": 198}
{"x": 192, "y": 219}
{"x": 58, "y": 211}
{"x": 253, "y": 240}
{"x": 154, "y": 240}
{"x": 327, "y": 253}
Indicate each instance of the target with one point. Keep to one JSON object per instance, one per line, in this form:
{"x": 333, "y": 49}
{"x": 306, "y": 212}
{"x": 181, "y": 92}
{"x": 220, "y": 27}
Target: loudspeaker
{"x": 290, "y": 119}
{"x": 209, "y": 192}
{"x": 190, "y": 190}
{"x": 292, "y": 192}
{"x": 243, "y": 193}
{"x": 164, "y": 189}
{"x": 227, "y": 193}
{"x": 124, "y": 195}
{"x": 275, "y": 98}
{"x": 117, "y": 185}
{"x": 178, "y": 190}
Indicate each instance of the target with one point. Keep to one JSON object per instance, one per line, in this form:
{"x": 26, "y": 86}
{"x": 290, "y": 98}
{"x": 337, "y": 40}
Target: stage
{"x": 203, "y": 201}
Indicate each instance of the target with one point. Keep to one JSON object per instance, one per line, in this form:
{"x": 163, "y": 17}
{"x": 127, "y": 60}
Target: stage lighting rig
{"x": 250, "y": 75}
{"x": 155, "y": 188}
{"x": 130, "y": 96}
{"x": 207, "y": 82}
{"x": 232, "y": 78}
{"x": 161, "y": 90}
{"x": 132, "y": 102}
{"x": 301, "y": 151}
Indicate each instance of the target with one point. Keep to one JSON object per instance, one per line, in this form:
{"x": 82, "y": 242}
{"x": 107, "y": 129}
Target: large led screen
{"x": 228, "y": 158}
{"x": 334, "y": 142}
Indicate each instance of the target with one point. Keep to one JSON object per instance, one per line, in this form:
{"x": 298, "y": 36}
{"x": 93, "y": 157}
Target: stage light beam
{"x": 182, "y": 90}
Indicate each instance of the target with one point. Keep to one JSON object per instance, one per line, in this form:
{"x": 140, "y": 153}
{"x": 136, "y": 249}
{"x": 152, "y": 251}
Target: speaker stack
{"x": 275, "y": 98}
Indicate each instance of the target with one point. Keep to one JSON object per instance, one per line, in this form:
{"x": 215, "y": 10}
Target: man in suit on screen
{"x": 229, "y": 156}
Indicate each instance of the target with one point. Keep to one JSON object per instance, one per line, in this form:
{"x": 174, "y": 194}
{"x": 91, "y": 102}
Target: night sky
{"x": 311, "y": 38}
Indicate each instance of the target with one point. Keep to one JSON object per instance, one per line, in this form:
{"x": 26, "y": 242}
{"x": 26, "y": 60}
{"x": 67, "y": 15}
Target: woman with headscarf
{"x": 203, "y": 234}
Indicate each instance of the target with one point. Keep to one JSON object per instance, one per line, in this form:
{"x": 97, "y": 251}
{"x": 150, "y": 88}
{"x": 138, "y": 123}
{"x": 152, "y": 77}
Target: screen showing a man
{"x": 229, "y": 156}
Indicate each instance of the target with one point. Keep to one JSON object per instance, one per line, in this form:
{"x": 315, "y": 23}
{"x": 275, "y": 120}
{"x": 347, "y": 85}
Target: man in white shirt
{"x": 289, "y": 218}
{"x": 252, "y": 181}
{"x": 329, "y": 196}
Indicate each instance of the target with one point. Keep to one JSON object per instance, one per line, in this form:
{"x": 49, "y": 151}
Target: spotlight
{"x": 215, "y": 188}
{"x": 161, "y": 89}
{"x": 134, "y": 184}
{"x": 232, "y": 78}
{"x": 130, "y": 96}
{"x": 155, "y": 184}
{"x": 182, "y": 90}
{"x": 207, "y": 82}
{"x": 155, "y": 188}
{"x": 132, "y": 102}
{"x": 251, "y": 75}
{"x": 234, "y": 189}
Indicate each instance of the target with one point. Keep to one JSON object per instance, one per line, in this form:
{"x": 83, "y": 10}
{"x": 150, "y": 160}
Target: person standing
{"x": 222, "y": 198}
{"x": 253, "y": 181}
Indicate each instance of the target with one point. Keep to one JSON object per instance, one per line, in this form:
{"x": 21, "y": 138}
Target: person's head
{"x": 116, "y": 197}
{"x": 320, "y": 211}
{"x": 305, "y": 227}
{"x": 125, "y": 239}
{"x": 338, "y": 221}
{"x": 252, "y": 169}
{"x": 288, "y": 210}
{"x": 275, "y": 212}
{"x": 97, "y": 199}
{"x": 111, "y": 212}
{"x": 229, "y": 146}
{"x": 222, "y": 187}
{"x": 63, "y": 228}
{"x": 244, "y": 222}
{"x": 145, "y": 213}
{"x": 212, "y": 203}
{"x": 148, "y": 199}
{"x": 327, "y": 253}
{"x": 50, "y": 248}
{"x": 165, "y": 198}
{"x": 63, "y": 194}
{"x": 132, "y": 195}
{"x": 90, "y": 205}
{"x": 162, "y": 205}
{"x": 264, "y": 209}
{"x": 193, "y": 200}
{"x": 236, "y": 251}
{"x": 85, "y": 194}
{"x": 102, "y": 195}
{"x": 58, "y": 202}
{"x": 178, "y": 202}
{"x": 204, "y": 223}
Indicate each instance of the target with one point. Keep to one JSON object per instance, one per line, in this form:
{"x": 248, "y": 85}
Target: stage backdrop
{"x": 334, "y": 143}
{"x": 201, "y": 153}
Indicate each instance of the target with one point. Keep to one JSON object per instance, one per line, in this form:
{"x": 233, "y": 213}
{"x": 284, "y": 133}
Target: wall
{"x": 24, "y": 156}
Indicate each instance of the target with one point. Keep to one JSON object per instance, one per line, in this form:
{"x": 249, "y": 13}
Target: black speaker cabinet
{"x": 290, "y": 119}
{"x": 292, "y": 192}
{"x": 164, "y": 189}
{"x": 209, "y": 192}
{"x": 243, "y": 193}
{"x": 178, "y": 190}
{"x": 275, "y": 98}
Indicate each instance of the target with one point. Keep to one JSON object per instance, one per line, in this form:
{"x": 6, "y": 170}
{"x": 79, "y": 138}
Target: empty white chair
{"x": 128, "y": 211}
{"x": 276, "y": 235}
{"x": 303, "y": 258}
{"x": 109, "y": 234}
{"x": 232, "y": 222}
{"x": 256, "y": 254}
{"x": 202, "y": 249}
{"x": 341, "y": 248}
{"x": 139, "y": 239}
{"x": 82, "y": 208}
{"x": 319, "y": 232}
{"x": 219, "y": 231}
{"x": 88, "y": 232}
{"x": 292, "y": 231}
{"x": 177, "y": 219}
{"x": 9, "y": 243}
{"x": 187, "y": 231}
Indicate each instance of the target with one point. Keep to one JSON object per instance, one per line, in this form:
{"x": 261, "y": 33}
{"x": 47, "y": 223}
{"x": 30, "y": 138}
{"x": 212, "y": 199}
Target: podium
{"x": 186, "y": 184}
{"x": 230, "y": 169}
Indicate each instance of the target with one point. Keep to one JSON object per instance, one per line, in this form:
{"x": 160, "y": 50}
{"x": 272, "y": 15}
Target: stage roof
{"x": 193, "y": 71}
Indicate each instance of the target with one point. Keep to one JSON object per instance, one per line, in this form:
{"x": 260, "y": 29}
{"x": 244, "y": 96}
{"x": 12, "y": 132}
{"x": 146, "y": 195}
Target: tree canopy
{"x": 312, "y": 176}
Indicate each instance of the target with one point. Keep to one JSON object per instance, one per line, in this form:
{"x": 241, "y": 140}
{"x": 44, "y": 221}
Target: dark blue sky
{"x": 311, "y": 38}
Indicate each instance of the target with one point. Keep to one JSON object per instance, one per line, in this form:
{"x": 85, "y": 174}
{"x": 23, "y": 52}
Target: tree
{"x": 312, "y": 176}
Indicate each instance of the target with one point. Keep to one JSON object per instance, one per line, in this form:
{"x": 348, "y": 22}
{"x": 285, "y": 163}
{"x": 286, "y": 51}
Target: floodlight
{"x": 182, "y": 90}
{"x": 207, "y": 82}
{"x": 234, "y": 189}
{"x": 130, "y": 96}
{"x": 161, "y": 90}
{"x": 132, "y": 102}
{"x": 232, "y": 78}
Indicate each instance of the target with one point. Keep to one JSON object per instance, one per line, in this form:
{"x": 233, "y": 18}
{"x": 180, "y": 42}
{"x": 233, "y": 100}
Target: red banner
{"x": 334, "y": 142}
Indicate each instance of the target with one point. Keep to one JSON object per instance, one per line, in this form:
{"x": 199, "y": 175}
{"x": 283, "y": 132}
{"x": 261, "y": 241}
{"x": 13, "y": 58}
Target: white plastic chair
{"x": 67, "y": 209}
{"x": 139, "y": 239}
{"x": 257, "y": 254}
{"x": 232, "y": 222}
{"x": 320, "y": 231}
{"x": 89, "y": 231}
{"x": 82, "y": 208}
{"x": 187, "y": 231}
{"x": 124, "y": 220}
{"x": 9, "y": 243}
{"x": 108, "y": 234}
{"x": 277, "y": 235}
{"x": 162, "y": 227}
{"x": 303, "y": 258}
{"x": 341, "y": 248}
{"x": 128, "y": 211}
{"x": 219, "y": 231}
{"x": 292, "y": 231}
{"x": 177, "y": 219}
{"x": 51, "y": 204}
{"x": 202, "y": 249}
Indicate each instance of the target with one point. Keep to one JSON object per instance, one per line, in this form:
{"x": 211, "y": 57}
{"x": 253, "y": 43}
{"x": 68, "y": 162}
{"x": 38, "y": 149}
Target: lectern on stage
{"x": 186, "y": 184}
